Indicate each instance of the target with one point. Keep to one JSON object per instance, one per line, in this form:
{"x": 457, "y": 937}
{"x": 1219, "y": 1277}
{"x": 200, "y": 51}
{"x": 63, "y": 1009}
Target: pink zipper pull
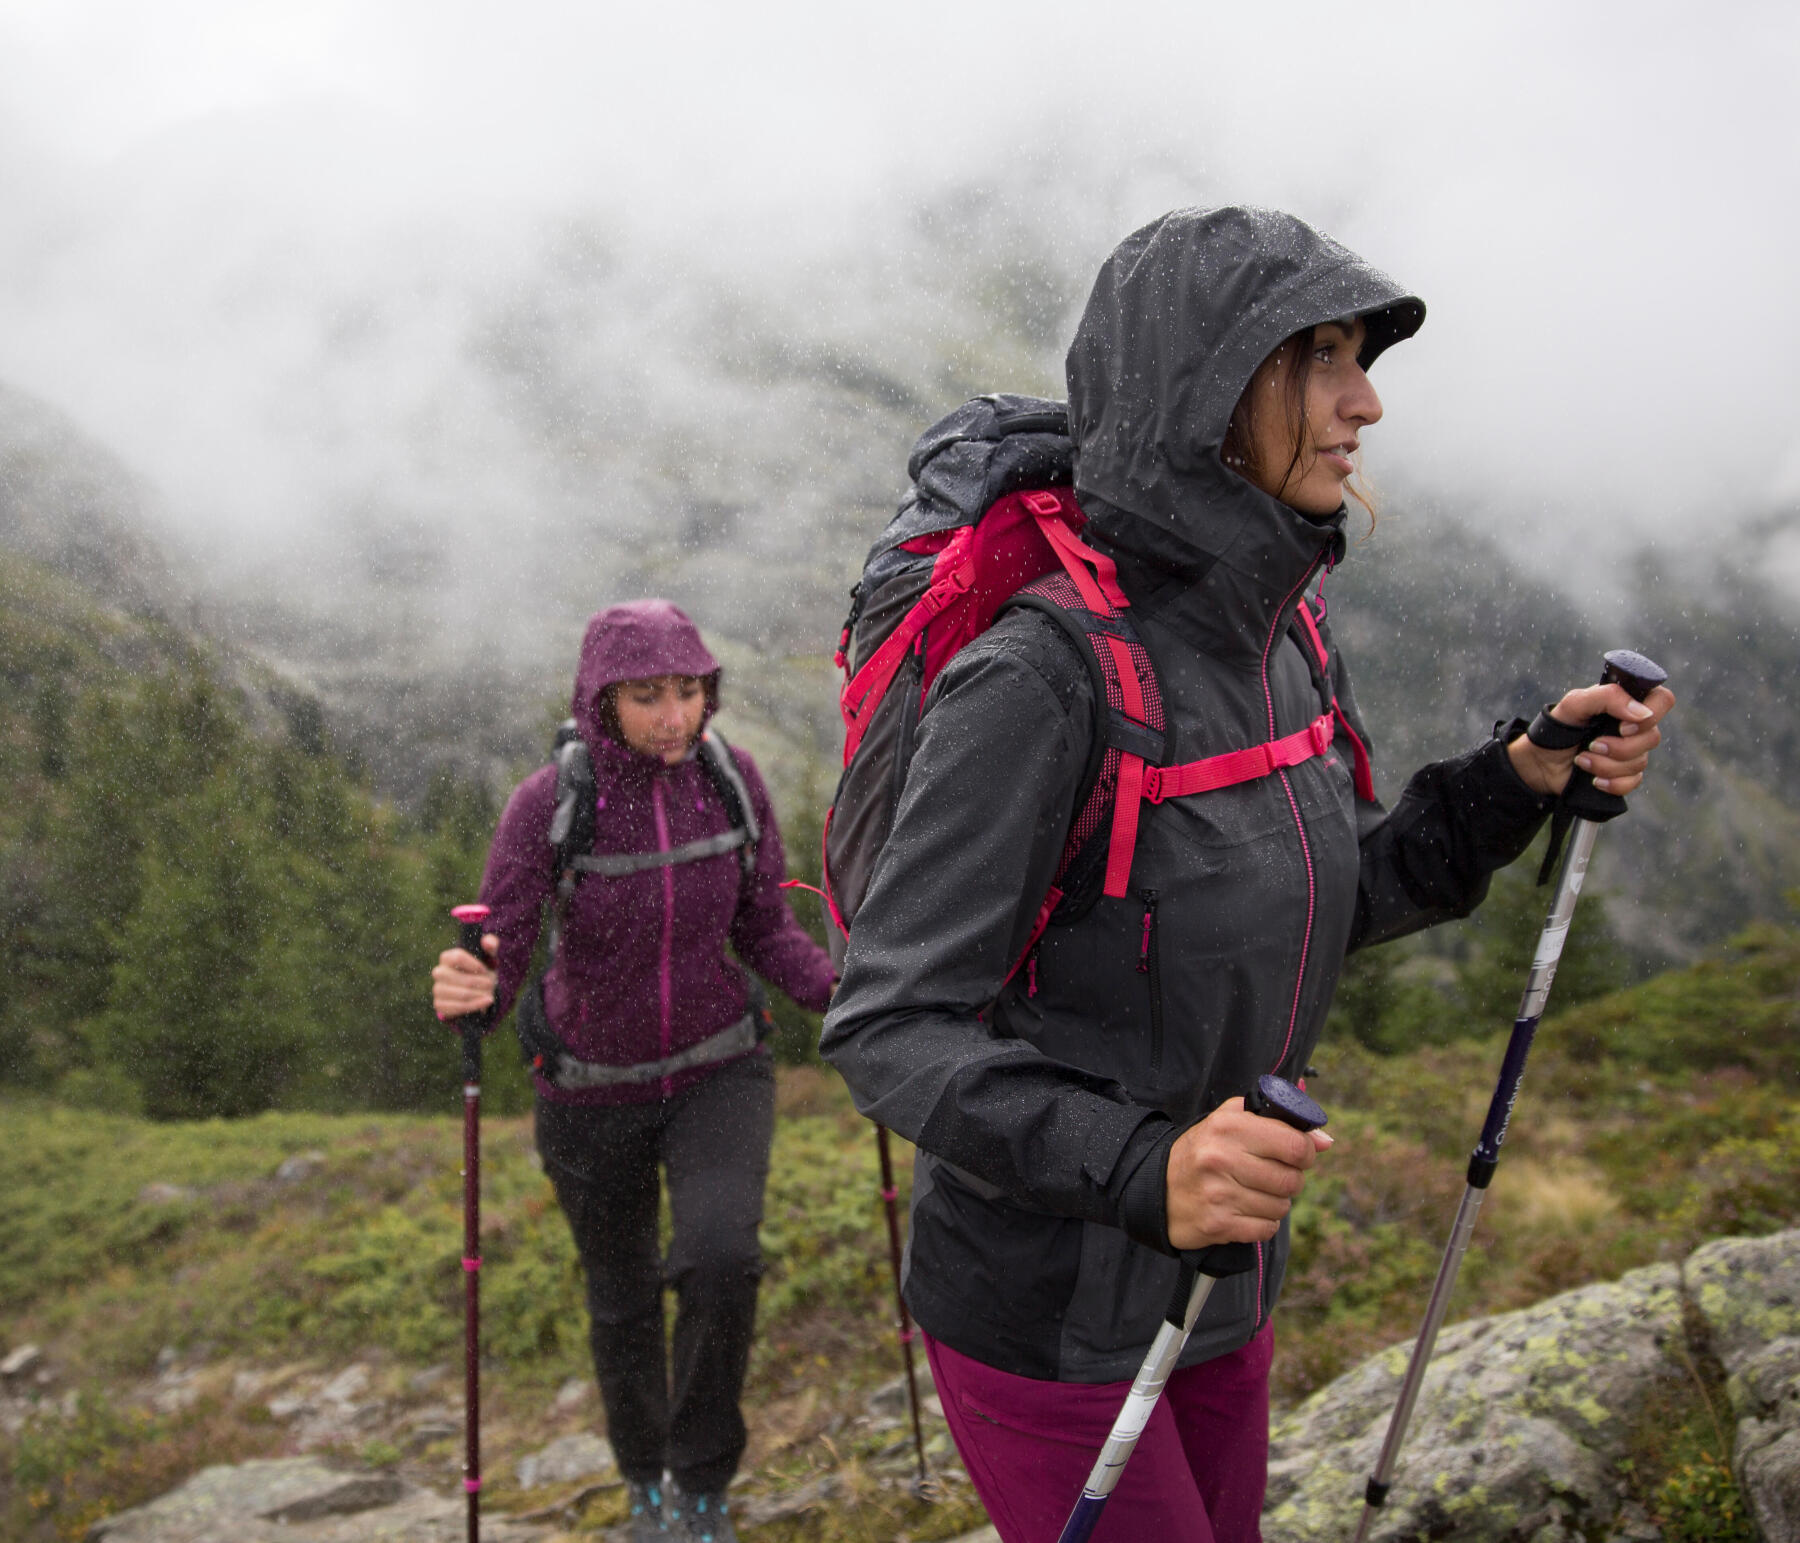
{"x": 1031, "y": 974}
{"x": 1143, "y": 964}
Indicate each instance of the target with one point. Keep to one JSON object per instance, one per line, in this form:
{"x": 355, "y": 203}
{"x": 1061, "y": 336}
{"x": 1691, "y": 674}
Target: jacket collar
{"x": 1227, "y": 593}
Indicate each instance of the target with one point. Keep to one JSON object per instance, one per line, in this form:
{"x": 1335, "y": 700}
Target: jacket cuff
{"x": 1141, "y": 1184}
{"x": 1505, "y": 789}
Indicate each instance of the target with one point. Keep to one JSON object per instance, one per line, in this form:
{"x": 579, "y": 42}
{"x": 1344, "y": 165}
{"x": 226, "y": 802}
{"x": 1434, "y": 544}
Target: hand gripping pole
{"x": 1274, "y": 1098}
{"x": 1590, "y": 809}
{"x": 470, "y": 919}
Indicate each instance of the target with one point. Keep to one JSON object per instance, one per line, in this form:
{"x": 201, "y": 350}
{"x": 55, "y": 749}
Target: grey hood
{"x": 1180, "y": 316}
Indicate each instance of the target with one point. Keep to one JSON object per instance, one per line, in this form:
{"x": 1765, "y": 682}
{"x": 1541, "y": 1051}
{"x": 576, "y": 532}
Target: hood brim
{"x": 638, "y": 640}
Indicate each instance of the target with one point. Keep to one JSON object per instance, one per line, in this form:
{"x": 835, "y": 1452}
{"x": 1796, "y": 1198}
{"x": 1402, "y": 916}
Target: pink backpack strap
{"x": 951, "y": 576}
{"x": 1235, "y": 766}
{"x": 1131, "y": 689}
{"x": 1364, "y": 773}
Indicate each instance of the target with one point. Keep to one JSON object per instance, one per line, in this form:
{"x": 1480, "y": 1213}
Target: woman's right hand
{"x": 461, "y": 984}
{"x": 1234, "y": 1176}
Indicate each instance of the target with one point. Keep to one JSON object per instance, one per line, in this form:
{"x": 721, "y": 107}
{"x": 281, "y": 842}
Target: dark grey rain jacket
{"x": 1039, "y": 1243}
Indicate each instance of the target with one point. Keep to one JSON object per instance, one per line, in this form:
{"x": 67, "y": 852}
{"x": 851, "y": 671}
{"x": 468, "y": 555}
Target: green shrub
{"x": 1699, "y": 1503}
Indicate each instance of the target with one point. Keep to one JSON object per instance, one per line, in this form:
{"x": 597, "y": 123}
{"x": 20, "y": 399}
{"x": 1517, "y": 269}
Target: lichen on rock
{"x": 1520, "y": 1427}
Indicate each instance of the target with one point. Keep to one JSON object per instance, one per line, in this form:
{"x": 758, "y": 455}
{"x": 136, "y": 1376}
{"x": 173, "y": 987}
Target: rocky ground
{"x": 1520, "y": 1436}
{"x": 1525, "y": 1419}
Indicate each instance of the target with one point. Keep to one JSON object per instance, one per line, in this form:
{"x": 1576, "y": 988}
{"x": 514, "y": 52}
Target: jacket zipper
{"x": 1277, "y": 628}
{"x": 665, "y": 958}
{"x": 1312, "y": 889}
{"x": 1149, "y": 963}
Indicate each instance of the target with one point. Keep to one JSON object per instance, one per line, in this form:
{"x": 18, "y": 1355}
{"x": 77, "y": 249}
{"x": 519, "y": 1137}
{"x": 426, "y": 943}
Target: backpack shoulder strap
{"x": 571, "y": 832}
{"x": 1309, "y": 615}
{"x": 572, "y": 822}
{"x": 728, "y": 777}
{"x": 1129, "y": 736}
{"x": 573, "y": 825}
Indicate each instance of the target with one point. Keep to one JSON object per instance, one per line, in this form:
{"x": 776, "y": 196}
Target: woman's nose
{"x": 1360, "y": 403}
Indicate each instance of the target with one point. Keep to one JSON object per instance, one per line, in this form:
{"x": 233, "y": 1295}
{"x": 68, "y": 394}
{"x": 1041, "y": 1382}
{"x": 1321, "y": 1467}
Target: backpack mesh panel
{"x": 1093, "y": 816}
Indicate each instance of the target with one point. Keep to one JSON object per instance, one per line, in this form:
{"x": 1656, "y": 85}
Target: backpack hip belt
{"x": 552, "y": 1060}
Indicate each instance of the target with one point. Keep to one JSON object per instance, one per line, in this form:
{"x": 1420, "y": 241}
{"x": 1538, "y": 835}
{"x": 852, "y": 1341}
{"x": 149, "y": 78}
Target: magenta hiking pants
{"x": 1197, "y": 1475}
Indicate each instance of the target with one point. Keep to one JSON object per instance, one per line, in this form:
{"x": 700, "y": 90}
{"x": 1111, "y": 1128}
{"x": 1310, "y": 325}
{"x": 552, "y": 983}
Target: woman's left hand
{"x": 1617, "y": 761}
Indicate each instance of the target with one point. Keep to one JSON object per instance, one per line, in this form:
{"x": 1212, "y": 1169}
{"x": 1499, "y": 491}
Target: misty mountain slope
{"x": 94, "y": 590}
{"x": 1446, "y": 634}
{"x": 615, "y": 420}
{"x": 71, "y": 504}
{"x": 476, "y": 449}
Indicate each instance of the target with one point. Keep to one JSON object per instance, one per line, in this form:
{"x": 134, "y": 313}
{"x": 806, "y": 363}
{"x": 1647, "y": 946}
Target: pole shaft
{"x": 1134, "y": 1415}
{"x": 903, "y": 1319}
{"x": 1486, "y": 1156}
{"x": 1441, "y": 1289}
{"x": 472, "y": 1298}
{"x": 469, "y": 931}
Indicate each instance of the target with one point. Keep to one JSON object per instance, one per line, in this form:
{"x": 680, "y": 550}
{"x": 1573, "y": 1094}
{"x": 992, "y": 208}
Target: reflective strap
{"x": 572, "y": 1072}
{"x": 615, "y": 865}
{"x": 1235, "y": 766}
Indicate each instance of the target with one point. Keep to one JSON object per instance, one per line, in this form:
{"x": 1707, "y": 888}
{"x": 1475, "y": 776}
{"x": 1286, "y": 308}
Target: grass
{"x": 188, "y": 1240}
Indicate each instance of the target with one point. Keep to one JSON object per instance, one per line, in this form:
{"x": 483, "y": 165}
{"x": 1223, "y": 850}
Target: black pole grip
{"x": 470, "y": 920}
{"x": 1274, "y": 1098}
{"x": 1639, "y": 676}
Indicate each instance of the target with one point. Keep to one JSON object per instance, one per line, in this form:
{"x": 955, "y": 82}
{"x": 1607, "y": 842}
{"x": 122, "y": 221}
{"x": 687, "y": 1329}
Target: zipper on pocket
{"x": 1149, "y": 964}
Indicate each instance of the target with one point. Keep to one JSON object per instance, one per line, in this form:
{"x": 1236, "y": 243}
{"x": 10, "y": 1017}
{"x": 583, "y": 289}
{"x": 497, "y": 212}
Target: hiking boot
{"x": 648, "y": 1519}
{"x": 699, "y": 1518}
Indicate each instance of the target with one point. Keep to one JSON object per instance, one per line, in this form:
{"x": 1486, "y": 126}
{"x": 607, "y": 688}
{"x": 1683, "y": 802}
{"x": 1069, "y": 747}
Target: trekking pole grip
{"x": 470, "y": 919}
{"x": 1580, "y": 799}
{"x": 1639, "y": 676}
{"x": 1274, "y": 1098}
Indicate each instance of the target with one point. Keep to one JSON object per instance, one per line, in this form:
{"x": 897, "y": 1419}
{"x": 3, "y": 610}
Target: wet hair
{"x": 1238, "y": 451}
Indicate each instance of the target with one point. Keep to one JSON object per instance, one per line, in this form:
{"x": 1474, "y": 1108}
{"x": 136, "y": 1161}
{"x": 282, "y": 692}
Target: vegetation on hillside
{"x": 1651, "y": 1120}
{"x": 206, "y": 915}
{"x": 208, "y": 911}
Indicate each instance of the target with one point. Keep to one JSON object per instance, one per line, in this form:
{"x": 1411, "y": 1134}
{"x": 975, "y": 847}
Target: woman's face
{"x": 1307, "y": 465}
{"x": 661, "y": 716}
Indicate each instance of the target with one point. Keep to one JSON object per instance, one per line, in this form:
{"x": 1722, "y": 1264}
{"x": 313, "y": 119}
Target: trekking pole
{"x": 1274, "y": 1098}
{"x": 470, "y": 920}
{"x": 1591, "y": 808}
{"x": 904, "y": 1325}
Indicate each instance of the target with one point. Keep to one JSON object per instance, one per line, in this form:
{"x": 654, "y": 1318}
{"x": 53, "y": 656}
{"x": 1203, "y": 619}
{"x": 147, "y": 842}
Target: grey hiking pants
{"x": 712, "y": 1141}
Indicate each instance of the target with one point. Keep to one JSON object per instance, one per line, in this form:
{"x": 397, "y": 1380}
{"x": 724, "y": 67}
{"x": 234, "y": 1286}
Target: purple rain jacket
{"x": 642, "y": 971}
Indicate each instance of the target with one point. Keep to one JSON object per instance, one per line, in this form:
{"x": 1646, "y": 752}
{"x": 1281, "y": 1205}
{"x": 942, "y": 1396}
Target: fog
{"x": 471, "y": 299}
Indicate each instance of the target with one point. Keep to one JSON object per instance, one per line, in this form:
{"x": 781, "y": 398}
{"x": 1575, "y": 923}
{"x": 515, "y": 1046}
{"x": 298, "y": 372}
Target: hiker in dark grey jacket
{"x": 1080, "y": 1120}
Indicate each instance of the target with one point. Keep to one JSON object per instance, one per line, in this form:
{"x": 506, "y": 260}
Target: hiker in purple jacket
{"x": 657, "y": 1026}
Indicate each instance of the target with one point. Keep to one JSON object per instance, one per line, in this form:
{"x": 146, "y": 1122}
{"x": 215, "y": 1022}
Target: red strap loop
{"x": 1100, "y": 591}
{"x": 1318, "y": 641}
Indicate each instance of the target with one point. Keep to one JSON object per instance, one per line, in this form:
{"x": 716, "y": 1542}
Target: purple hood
{"x": 638, "y": 640}
{"x": 646, "y": 967}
